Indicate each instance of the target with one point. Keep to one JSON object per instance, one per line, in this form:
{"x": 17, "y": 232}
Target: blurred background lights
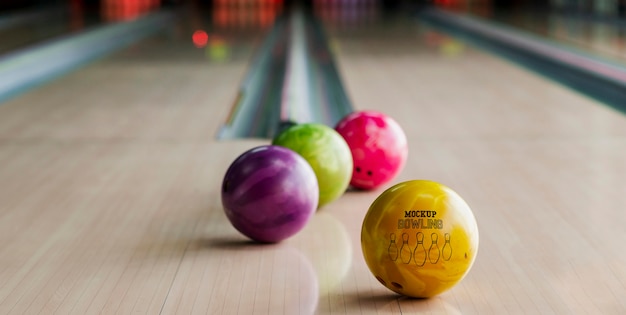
{"x": 200, "y": 38}
{"x": 218, "y": 49}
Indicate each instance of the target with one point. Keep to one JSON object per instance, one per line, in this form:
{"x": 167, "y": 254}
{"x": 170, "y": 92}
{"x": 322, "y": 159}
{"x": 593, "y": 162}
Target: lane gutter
{"x": 591, "y": 75}
{"x": 292, "y": 80}
{"x": 27, "y": 68}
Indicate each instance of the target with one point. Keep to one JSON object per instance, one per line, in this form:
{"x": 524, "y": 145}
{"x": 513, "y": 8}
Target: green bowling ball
{"x": 327, "y": 153}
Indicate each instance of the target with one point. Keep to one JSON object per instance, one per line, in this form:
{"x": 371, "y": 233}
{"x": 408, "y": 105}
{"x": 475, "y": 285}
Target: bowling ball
{"x": 269, "y": 193}
{"x": 378, "y": 146}
{"x": 419, "y": 238}
{"x": 327, "y": 153}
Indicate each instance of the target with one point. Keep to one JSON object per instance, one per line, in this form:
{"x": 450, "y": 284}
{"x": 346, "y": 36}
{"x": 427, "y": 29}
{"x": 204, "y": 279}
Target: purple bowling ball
{"x": 269, "y": 193}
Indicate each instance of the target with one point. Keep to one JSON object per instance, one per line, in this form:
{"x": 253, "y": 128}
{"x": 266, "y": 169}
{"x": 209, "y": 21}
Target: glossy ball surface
{"x": 327, "y": 153}
{"x": 269, "y": 193}
{"x": 419, "y": 238}
{"x": 378, "y": 146}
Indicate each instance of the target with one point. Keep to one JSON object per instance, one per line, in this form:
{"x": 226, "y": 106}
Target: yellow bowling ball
{"x": 419, "y": 238}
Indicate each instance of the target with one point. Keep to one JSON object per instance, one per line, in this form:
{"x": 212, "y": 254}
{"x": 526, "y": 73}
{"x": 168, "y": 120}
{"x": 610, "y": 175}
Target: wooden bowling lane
{"x": 110, "y": 179}
{"x": 539, "y": 164}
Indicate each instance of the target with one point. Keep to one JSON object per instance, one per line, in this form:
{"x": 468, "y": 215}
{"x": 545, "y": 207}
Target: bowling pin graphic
{"x": 405, "y": 250}
{"x": 419, "y": 255}
{"x": 446, "y": 251}
{"x": 433, "y": 252}
{"x": 393, "y": 248}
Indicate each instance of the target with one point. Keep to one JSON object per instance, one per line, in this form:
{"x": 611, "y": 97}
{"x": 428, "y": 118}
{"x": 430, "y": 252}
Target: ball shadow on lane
{"x": 403, "y": 304}
{"x": 232, "y": 243}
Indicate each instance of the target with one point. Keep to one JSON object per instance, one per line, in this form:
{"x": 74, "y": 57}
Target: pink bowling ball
{"x": 379, "y": 147}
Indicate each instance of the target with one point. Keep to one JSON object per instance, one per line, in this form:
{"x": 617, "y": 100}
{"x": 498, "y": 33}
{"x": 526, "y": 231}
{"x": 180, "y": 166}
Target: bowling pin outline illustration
{"x": 393, "y": 248}
{"x": 419, "y": 254}
{"x": 405, "y": 250}
{"x": 433, "y": 251}
{"x": 446, "y": 251}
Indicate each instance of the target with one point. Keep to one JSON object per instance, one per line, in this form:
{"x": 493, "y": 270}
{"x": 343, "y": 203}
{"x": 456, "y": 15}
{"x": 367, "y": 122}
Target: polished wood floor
{"x": 110, "y": 177}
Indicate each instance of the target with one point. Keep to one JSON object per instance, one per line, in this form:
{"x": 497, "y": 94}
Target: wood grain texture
{"x": 110, "y": 183}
